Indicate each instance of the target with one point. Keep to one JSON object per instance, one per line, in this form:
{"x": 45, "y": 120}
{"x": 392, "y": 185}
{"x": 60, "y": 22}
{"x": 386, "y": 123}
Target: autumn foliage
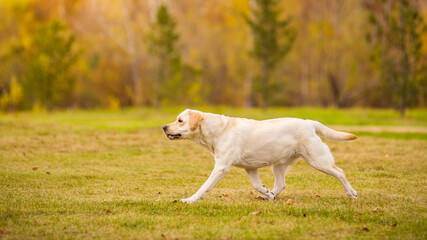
{"x": 57, "y": 54}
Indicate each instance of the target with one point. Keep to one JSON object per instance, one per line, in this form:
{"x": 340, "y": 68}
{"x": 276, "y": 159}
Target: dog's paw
{"x": 352, "y": 194}
{"x": 270, "y": 196}
{"x": 189, "y": 200}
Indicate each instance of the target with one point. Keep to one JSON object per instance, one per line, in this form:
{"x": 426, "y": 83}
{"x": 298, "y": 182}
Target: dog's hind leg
{"x": 279, "y": 172}
{"x": 256, "y": 182}
{"x": 319, "y": 156}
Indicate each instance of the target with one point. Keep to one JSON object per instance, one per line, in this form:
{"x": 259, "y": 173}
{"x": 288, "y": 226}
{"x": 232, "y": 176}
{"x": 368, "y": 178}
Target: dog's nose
{"x": 165, "y": 127}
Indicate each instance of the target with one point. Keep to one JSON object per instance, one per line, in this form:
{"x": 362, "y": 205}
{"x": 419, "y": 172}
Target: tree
{"x": 124, "y": 34}
{"x": 11, "y": 99}
{"x": 162, "y": 42}
{"x": 272, "y": 39}
{"x": 47, "y": 78}
{"x": 395, "y": 35}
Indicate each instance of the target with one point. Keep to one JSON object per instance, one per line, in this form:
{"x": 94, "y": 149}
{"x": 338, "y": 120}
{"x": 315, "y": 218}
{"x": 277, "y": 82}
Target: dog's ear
{"x": 196, "y": 119}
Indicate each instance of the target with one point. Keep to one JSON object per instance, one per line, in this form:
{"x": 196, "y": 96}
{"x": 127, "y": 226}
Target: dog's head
{"x": 187, "y": 125}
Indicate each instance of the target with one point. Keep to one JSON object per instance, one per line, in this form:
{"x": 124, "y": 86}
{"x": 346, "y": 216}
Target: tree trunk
{"x": 336, "y": 91}
{"x": 265, "y": 78}
{"x": 136, "y": 79}
{"x": 405, "y": 66}
{"x": 247, "y": 87}
{"x": 161, "y": 73}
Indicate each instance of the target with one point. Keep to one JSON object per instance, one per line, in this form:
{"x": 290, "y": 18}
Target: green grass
{"x": 113, "y": 175}
{"x": 133, "y": 119}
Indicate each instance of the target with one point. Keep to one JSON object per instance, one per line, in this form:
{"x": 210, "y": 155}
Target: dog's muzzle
{"x": 170, "y": 136}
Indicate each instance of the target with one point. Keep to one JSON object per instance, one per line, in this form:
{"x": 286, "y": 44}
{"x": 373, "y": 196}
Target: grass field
{"x": 114, "y": 175}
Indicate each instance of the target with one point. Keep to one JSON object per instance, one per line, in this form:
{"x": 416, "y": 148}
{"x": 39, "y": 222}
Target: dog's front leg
{"x": 217, "y": 174}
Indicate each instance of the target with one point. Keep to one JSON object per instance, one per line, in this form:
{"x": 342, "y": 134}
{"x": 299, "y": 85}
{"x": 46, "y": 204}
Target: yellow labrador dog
{"x": 252, "y": 144}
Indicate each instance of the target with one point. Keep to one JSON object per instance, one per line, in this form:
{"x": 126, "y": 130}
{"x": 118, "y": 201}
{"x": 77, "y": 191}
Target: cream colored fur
{"x": 252, "y": 144}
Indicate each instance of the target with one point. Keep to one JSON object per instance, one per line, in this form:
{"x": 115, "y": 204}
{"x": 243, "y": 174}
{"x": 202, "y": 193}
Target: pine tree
{"x": 162, "y": 42}
{"x": 395, "y": 35}
{"x": 48, "y": 80}
{"x": 272, "y": 40}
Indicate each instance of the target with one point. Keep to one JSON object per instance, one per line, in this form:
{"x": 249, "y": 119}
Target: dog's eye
{"x": 179, "y": 120}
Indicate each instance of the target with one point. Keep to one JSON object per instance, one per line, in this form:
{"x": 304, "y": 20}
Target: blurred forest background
{"x": 62, "y": 54}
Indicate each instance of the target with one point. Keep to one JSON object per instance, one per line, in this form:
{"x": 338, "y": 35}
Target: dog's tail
{"x": 330, "y": 134}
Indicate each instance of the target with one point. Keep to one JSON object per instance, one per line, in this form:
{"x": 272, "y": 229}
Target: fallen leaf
{"x": 394, "y": 225}
{"x": 255, "y": 213}
{"x": 174, "y": 201}
{"x": 225, "y": 195}
{"x": 381, "y": 180}
{"x": 35, "y": 168}
{"x": 48, "y": 172}
{"x": 289, "y": 202}
{"x": 163, "y": 236}
{"x": 365, "y": 229}
{"x": 317, "y": 195}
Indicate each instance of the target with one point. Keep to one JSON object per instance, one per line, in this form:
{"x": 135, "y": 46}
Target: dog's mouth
{"x": 173, "y": 136}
